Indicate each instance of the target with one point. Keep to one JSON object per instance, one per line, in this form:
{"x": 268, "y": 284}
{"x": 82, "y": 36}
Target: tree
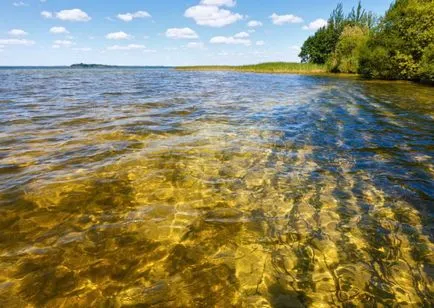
{"x": 345, "y": 58}
{"x": 319, "y": 47}
{"x": 397, "y": 49}
{"x": 426, "y": 67}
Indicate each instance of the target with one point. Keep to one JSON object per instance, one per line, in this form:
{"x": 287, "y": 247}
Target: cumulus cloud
{"x": 58, "y": 30}
{"x": 46, "y": 14}
{"x": 16, "y": 42}
{"x": 230, "y": 40}
{"x": 316, "y": 24}
{"x": 254, "y": 24}
{"x": 285, "y": 19}
{"x": 260, "y": 43}
{"x": 19, "y": 3}
{"x": 181, "y": 33}
{"x": 196, "y": 45}
{"x": 212, "y": 15}
{"x": 17, "y": 32}
{"x": 127, "y": 47}
{"x": 241, "y": 35}
{"x": 228, "y": 3}
{"x": 73, "y": 15}
{"x": 130, "y": 16}
{"x": 118, "y": 36}
{"x": 67, "y": 15}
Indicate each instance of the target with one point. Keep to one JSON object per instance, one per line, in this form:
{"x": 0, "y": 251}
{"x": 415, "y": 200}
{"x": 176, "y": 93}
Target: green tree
{"x": 426, "y": 67}
{"x": 319, "y": 47}
{"x": 396, "y": 50}
{"x": 345, "y": 58}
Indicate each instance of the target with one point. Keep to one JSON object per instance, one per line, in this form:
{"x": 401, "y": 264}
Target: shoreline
{"x": 240, "y": 69}
{"x": 266, "y": 68}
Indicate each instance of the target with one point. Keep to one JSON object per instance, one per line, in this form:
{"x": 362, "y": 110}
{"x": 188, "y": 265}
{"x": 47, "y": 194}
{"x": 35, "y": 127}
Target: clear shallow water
{"x": 163, "y": 188}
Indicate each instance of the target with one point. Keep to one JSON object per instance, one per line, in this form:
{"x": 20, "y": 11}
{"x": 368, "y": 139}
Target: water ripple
{"x": 160, "y": 188}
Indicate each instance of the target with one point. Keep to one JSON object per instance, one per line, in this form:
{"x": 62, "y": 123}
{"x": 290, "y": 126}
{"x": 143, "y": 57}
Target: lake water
{"x": 163, "y": 188}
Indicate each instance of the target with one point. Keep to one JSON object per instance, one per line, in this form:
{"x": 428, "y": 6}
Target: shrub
{"x": 345, "y": 58}
{"x": 397, "y": 49}
{"x": 426, "y": 67}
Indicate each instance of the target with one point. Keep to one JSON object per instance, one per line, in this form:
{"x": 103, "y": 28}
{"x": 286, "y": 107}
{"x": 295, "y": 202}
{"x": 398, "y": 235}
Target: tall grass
{"x": 271, "y": 67}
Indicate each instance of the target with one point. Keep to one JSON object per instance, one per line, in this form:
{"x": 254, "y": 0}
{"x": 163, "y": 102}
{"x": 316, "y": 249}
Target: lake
{"x": 162, "y": 188}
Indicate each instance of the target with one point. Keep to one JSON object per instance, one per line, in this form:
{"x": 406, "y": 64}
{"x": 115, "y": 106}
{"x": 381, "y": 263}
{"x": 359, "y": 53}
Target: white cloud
{"x": 63, "y": 43}
{"x": 254, "y": 23}
{"x": 212, "y": 16}
{"x": 130, "y": 16}
{"x": 84, "y": 49}
{"x": 316, "y": 24}
{"x": 127, "y": 47}
{"x": 228, "y": 3}
{"x": 118, "y": 36}
{"x": 19, "y": 3}
{"x": 46, "y": 14}
{"x": 181, "y": 33}
{"x": 241, "y": 35}
{"x": 230, "y": 40}
{"x": 260, "y": 43}
{"x": 73, "y": 15}
{"x": 16, "y": 42}
{"x": 196, "y": 45}
{"x": 58, "y": 30}
{"x": 285, "y": 19}
{"x": 17, "y": 32}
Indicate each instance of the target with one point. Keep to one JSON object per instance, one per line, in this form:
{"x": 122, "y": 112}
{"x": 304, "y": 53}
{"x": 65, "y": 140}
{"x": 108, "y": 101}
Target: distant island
{"x": 83, "y": 65}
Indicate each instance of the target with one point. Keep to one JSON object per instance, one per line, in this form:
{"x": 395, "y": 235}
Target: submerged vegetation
{"x": 125, "y": 188}
{"x": 397, "y": 46}
{"x": 271, "y": 67}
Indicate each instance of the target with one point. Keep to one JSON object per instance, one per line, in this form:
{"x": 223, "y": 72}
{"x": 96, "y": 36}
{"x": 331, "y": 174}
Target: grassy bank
{"x": 273, "y": 67}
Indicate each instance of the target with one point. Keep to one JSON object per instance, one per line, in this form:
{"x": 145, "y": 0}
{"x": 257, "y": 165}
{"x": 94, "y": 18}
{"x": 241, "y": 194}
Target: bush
{"x": 426, "y": 67}
{"x": 345, "y": 58}
{"x": 399, "y": 49}
{"x": 375, "y": 63}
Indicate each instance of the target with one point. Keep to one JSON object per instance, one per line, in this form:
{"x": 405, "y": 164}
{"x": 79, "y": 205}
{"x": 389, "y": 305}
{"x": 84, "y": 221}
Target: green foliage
{"x": 345, "y": 58}
{"x": 271, "y": 67}
{"x": 319, "y": 47}
{"x": 400, "y": 47}
{"x": 426, "y": 67}
{"x": 360, "y": 17}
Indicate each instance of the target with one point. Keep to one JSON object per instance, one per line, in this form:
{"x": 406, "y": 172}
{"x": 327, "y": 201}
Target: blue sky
{"x": 160, "y": 32}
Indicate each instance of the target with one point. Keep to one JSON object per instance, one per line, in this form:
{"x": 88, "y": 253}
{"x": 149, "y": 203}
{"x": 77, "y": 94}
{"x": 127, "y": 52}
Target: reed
{"x": 271, "y": 67}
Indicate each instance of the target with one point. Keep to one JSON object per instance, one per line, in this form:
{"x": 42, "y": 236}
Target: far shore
{"x": 269, "y": 68}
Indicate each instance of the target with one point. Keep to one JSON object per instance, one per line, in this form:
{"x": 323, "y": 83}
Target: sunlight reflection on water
{"x": 164, "y": 188}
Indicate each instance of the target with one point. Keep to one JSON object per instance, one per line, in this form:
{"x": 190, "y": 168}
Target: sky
{"x": 161, "y": 32}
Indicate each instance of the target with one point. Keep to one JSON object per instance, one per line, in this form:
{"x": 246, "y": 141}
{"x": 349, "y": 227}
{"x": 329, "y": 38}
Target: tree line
{"x": 399, "y": 45}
